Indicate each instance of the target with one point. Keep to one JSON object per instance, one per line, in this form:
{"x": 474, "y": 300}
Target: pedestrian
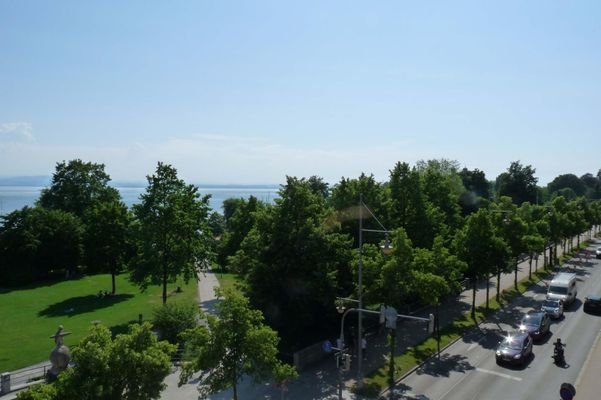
{"x": 364, "y": 347}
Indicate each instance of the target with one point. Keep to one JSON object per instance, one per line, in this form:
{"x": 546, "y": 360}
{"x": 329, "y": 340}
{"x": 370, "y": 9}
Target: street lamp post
{"x": 360, "y": 283}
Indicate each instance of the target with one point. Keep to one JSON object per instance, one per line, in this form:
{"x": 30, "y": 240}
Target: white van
{"x": 563, "y": 287}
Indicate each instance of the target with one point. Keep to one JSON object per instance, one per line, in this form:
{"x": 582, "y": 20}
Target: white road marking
{"x": 502, "y": 375}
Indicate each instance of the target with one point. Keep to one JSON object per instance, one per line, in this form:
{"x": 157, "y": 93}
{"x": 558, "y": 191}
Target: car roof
{"x": 595, "y": 297}
{"x": 563, "y": 278}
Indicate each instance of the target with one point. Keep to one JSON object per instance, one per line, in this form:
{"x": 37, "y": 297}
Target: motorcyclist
{"x": 558, "y": 351}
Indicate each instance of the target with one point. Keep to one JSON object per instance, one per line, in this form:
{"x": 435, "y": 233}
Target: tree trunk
{"x": 498, "y": 283}
{"x": 474, "y": 283}
{"x": 487, "y": 291}
{"x": 530, "y": 267}
{"x": 164, "y": 284}
{"x": 515, "y": 278}
{"x": 235, "y": 386}
{"x": 113, "y": 272}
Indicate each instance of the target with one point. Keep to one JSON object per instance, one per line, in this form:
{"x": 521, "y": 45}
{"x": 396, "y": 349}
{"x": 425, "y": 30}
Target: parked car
{"x": 592, "y": 303}
{"x": 514, "y": 349}
{"x": 553, "y": 308}
{"x": 598, "y": 252}
{"x": 536, "y": 324}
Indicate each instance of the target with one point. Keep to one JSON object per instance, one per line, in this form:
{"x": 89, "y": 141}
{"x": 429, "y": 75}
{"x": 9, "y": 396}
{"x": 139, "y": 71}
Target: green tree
{"x": 477, "y": 190}
{"x": 172, "y": 230}
{"x": 478, "y": 246}
{"x": 519, "y": 183}
{"x": 344, "y": 199}
{"x": 131, "y": 366}
{"x": 238, "y": 225}
{"x": 76, "y": 186}
{"x": 512, "y": 229}
{"x": 106, "y": 238}
{"x": 408, "y": 209}
{"x": 238, "y": 343}
{"x": 298, "y": 264}
{"x": 172, "y": 319}
{"x": 35, "y": 242}
{"x": 567, "y": 181}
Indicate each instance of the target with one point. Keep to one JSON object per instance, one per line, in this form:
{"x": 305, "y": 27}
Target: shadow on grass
{"x": 122, "y": 328}
{"x": 82, "y": 304}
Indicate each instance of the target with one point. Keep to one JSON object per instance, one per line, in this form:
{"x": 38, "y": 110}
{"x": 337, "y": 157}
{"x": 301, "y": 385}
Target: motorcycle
{"x": 558, "y": 355}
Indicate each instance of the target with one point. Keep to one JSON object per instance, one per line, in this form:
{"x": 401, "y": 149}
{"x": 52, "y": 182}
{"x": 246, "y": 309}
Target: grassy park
{"x": 30, "y": 315}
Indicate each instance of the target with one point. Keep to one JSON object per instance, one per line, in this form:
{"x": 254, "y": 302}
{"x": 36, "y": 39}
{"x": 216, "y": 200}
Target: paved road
{"x": 467, "y": 369}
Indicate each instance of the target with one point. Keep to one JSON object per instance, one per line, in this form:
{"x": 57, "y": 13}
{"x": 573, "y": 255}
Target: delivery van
{"x": 563, "y": 287}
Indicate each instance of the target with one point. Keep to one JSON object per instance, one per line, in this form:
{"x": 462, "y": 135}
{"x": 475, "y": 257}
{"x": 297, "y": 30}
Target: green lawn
{"x": 30, "y": 315}
{"x": 228, "y": 281}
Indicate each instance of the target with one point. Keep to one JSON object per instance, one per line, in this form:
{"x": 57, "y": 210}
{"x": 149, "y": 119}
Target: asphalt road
{"x": 468, "y": 370}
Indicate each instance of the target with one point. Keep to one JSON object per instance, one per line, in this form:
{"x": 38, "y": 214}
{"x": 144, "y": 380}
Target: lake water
{"x": 16, "y": 197}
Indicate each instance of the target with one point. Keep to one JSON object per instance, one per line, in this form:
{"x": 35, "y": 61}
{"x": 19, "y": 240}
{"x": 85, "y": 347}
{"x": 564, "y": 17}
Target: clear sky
{"x": 252, "y": 91}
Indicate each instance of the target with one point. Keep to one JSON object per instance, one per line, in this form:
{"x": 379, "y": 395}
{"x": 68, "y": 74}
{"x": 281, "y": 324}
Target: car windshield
{"x": 511, "y": 344}
{"x": 558, "y": 290}
{"x": 532, "y": 320}
{"x": 551, "y": 303}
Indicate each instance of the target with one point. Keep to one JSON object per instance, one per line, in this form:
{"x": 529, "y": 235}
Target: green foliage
{"x": 518, "y": 182}
{"x": 567, "y": 181}
{"x": 477, "y": 190}
{"x": 171, "y": 229}
{"x": 297, "y": 263}
{"x": 172, "y": 319}
{"x": 34, "y": 242}
{"x": 131, "y": 366}
{"x": 408, "y": 208}
{"x": 239, "y": 224}
{"x": 76, "y": 186}
{"x": 344, "y": 200}
{"x": 107, "y": 242}
{"x": 237, "y": 343}
{"x": 39, "y": 392}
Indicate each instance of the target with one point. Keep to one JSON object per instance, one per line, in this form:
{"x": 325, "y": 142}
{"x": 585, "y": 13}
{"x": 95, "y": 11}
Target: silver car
{"x": 553, "y": 308}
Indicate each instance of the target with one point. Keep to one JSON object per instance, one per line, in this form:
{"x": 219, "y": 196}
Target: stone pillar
{"x": 5, "y": 383}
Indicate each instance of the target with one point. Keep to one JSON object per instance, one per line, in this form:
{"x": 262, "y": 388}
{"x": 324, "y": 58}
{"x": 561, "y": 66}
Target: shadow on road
{"x": 443, "y": 367}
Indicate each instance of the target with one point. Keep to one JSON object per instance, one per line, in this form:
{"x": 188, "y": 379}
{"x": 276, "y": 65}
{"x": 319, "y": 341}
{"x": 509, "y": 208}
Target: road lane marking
{"x": 502, "y": 375}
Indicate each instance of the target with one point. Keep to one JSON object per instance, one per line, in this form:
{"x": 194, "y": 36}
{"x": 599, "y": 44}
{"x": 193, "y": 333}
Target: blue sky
{"x": 252, "y": 91}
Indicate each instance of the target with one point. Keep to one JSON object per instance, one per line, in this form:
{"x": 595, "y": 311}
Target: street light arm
{"x": 374, "y": 217}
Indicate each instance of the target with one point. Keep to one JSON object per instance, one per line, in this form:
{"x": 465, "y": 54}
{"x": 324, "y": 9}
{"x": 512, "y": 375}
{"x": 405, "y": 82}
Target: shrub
{"x": 171, "y": 319}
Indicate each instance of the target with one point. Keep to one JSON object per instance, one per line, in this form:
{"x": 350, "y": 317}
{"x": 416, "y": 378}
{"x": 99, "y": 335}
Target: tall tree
{"x": 408, "y": 209}
{"x": 36, "y": 241}
{"x": 106, "y": 238}
{"x": 567, "y": 181}
{"x": 298, "y": 261}
{"x": 344, "y": 199}
{"x": 172, "y": 230}
{"x": 477, "y": 190}
{"x": 519, "y": 183}
{"x": 478, "y": 246}
{"x": 512, "y": 229}
{"x": 237, "y": 343}
{"x": 76, "y": 186}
